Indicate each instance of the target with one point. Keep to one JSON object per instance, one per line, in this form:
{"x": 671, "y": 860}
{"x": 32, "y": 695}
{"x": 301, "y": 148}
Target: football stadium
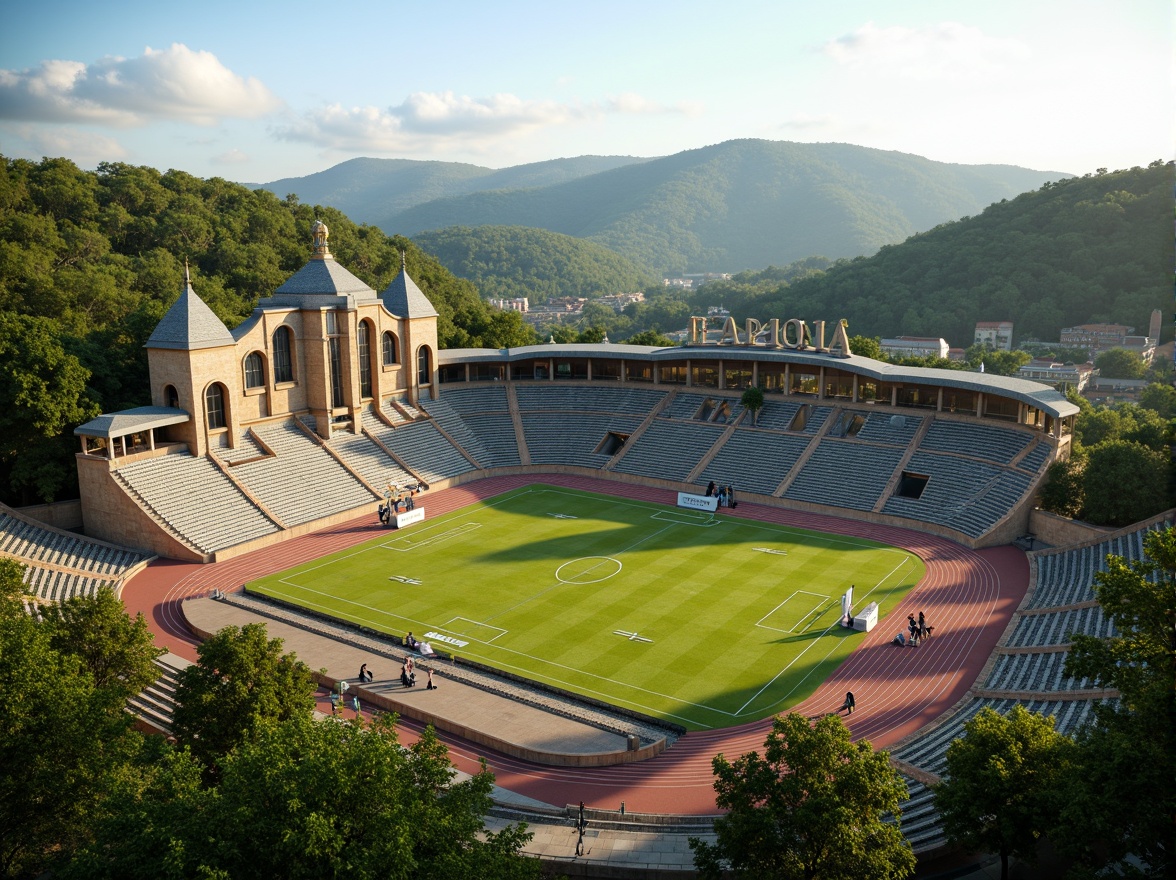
{"x": 612, "y": 566}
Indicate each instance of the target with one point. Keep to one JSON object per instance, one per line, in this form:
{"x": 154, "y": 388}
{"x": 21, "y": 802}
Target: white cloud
{"x": 437, "y": 119}
{"x": 231, "y": 157}
{"x": 85, "y": 148}
{"x": 174, "y": 83}
{"x": 945, "y": 51}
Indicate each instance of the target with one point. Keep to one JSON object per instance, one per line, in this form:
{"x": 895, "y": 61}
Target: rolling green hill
{"x": 512, "y": 261}
{"x": 373, "y": 190}
{"x": 1085, "y": 249}
{"x": 740, "y": 204}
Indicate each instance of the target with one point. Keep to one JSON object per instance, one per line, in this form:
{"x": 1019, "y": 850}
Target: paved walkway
{"x": 476, "y": 714}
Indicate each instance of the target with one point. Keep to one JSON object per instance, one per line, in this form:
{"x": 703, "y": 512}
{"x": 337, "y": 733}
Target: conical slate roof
{"x": 322, "y": 276}
{"x": 189, "y": 324}
{"x": 403, "y": 298}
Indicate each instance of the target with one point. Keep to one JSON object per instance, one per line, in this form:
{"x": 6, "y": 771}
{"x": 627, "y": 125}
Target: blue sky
{"x": 256, "y": 91}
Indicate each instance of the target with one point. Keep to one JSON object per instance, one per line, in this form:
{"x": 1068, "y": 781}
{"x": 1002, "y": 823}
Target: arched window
{"x": 254, "y": 371}
{"x": 171, "y": 397}
{"x": 363, "y": 342}
{"x": 424, "y": 367}
{"x": 391, "y": 356}
{"x": 283, "y": 363}
{"x": 214, "y": 406}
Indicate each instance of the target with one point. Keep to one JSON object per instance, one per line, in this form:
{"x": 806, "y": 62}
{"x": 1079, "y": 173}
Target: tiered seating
{"x": 31, "y": 543}
{"x": 669, "y": 449}
{"x": 684, "y": 406}
{"x": 1035, "y": 630}
{"x": 776, "y": 415}
{"x": 964, "y": 494}
{"x": 459, "y": 432}
{"x": 300, "y": 482}
{"x": 1032, "y": 672}
{"x": 1037, "y": 456}
{"x": 157, "y": 703}
{"x": 198, "y": 501}
{"x": 245, "y": 449}
{"x": 755, "y": 461}
{"x": 570, "y": 438}
{"x": 485, "y": 411}
{"x": 982, "y": 441}
{"x": 816, "y": 417}
{"x": 1067, "y": 577}
{"x": 845, "y": 473}
{"x": 553, "y": 397}
{"x": 369, "y": 461}
{"x": 929, "y": 752}
{"x": 422, "y": 447}
{"x": 396, "y": 417}
{"x": 898, "y": 429}
{"x": 55, "y": 585}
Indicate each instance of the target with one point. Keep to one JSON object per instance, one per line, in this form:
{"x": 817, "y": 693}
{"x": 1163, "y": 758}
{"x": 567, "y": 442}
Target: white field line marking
{"x": 794, "y": 594}
{"x": 770, "y": 550}
{"x": 404, "y": 580}
{"x": 675, "y": 518}
{"x": 562, "y": 516}
{"x": 809, "y": 536}
{"x": 417, "y": 538}
{"x": 832, "y": 647}
{"x": 632, "y": 637}
{"x": 501, "y": 631}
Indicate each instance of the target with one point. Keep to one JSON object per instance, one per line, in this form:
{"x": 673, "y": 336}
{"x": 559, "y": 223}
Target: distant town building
{"x": 996, "y": 334}
{"x": 915, "y": 346}
{"x": 957, "y": 354}
{"x": 1060, "y": 376}
{"x": 691, "y": 280}
{"x": 1095, "y": 337}
{"x": 518, "y": 304}
{"x": 618, "y": 301}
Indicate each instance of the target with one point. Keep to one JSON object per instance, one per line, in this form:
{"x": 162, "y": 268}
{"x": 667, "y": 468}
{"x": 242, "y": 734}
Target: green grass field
{"x": 705, "y": 620}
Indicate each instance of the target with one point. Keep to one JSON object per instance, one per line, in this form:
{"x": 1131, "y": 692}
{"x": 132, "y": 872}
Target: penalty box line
{"x": 815, "y": 611}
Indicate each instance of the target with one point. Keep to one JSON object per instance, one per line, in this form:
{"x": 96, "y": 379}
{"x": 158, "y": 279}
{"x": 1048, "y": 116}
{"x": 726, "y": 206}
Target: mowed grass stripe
{"x": 723, "y": 649}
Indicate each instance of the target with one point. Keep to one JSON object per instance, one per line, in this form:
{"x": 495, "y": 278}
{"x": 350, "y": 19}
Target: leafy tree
{"x": 63, "y": 744}
{"x": 1119, "y": 363}
{"x": 116, "y": 650}
{"x": 996, "y": 795}
{"x": 753, "y": 400}
{"x": 1064, "y": 492}
{"x": 810, "y": 807}
{"x": 12, "y": 588}
{"x": 1121, "y": 797}
{"x": 242, "y": 678}
{"x": 1124, "y": 482}
{"x": 867, "y": 346}
{"x": 650, "y": 337}
{"x": 1160, "y": 399}
{"x": 307, "y": 798}
{"x": 42, "y": 392}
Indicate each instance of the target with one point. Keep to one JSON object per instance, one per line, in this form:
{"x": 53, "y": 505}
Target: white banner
{"x": 400, "y": 520}
{"x": 698, "y": 502}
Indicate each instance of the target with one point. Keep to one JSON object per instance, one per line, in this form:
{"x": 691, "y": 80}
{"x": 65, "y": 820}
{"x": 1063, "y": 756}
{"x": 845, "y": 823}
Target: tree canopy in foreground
{"x": 810, "y": 808}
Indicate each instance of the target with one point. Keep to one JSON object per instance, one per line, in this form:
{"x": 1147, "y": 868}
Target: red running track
{"x": 969, "y": 595}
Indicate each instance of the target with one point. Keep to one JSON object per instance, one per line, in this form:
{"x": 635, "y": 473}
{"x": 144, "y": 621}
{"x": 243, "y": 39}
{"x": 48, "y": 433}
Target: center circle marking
{"x": 585, "y": 566}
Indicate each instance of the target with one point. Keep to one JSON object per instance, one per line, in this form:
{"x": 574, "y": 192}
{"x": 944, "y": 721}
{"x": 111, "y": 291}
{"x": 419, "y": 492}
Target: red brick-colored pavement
{"x": 968, "y": 595}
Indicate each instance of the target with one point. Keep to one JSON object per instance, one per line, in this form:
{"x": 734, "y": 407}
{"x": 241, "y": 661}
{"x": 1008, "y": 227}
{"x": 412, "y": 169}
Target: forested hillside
{"x": 1085, "y": 249}
{"x": 90, "y": 261}
{"x": 374, "y": 190}
{"x": 741, "y": 204}
{"x": 510, "y": 261}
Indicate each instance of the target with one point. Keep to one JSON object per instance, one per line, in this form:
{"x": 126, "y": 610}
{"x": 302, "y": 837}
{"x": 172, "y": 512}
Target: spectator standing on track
{"x": 429, "y": 686}
{"x": 849, "y": 703}
{"x": 924, "y": 630}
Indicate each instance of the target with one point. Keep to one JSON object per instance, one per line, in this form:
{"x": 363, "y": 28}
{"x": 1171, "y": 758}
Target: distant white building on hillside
{"x": 518, "y": 304}
{"x": 1060, "y": 376}
{"x": 915, "y": 346}
{"x": 997, "y": 334}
